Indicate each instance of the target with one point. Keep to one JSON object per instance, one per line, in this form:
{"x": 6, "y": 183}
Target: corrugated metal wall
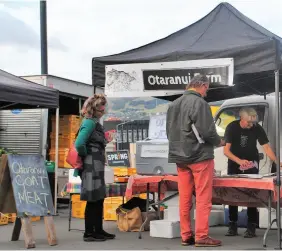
{"x": 20, "y": 130}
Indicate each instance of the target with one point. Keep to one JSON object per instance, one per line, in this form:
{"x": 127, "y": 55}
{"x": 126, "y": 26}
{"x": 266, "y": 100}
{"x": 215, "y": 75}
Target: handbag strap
{"x": 124, "y": 214}
{"x": 77, "y": 132}
{"x": 128, "y": 227}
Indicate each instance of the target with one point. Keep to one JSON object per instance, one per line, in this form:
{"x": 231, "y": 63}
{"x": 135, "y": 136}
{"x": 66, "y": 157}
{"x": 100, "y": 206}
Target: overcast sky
{"x": 82, "y": 29}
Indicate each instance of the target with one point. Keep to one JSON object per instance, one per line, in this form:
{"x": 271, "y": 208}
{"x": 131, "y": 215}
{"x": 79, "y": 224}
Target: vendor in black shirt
{"x": 241, "y": 138}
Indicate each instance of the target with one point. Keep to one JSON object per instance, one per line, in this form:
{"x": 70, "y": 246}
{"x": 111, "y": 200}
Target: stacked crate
{"x": 123, "y": 173}
{"x": 68, "y": 127}
{"x": 78, "y": 207}
{"x": 11, "y": 218}
{"x": 3, "y": 220}
{"x": 110, "y": 206}
{"x": 112, "y": 203}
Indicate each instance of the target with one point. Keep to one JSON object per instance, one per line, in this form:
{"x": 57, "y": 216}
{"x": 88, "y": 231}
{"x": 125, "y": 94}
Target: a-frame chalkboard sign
{"x": 25, "y": 190}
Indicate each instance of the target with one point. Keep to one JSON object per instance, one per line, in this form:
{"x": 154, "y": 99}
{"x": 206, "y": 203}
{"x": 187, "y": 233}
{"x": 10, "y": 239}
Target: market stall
{"x": 17, "y": 93}
{"x": 239, "y": 56}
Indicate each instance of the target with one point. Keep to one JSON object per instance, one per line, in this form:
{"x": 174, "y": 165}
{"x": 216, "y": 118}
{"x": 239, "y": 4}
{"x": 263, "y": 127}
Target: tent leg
{"x": 79, "y": 106}
{"x": 56, "y": 159}
{"x": 278, "y": 181}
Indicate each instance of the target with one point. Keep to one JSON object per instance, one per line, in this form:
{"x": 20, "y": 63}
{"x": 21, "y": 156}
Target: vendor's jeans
{"x": 198, "y": 176}
{"x": 94, "y": 216}
{"x": 251, "y": 213}
{"x": 233, "y": 210}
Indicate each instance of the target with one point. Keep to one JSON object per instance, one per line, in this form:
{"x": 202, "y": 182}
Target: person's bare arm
{"x": 232, "y": 157}
{"x": 264, "y": 142}
{"x": 270, "y": 154}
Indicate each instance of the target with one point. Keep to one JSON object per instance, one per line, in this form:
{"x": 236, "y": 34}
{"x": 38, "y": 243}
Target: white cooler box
{"x": 165, "y": 229}
{"x": 152, "y": 158}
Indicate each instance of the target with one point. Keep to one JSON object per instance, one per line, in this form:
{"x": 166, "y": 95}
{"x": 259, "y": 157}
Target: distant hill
{"x": 135, "y": 108}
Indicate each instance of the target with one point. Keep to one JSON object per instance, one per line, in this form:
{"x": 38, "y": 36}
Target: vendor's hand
{"x": 244, "y": 163}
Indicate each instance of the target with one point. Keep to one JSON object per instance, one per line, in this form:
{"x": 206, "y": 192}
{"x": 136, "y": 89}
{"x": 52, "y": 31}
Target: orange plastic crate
{"x": 62, "y": 155}
{"x": 75, "y": 197}
{"x": 119, "y": 179}
{"x": 120, "y": 171}
{"x": 35, "y": 218}
{"x": 63, "y": 143}
{"x": 70, "y": 127}
{"x": 4, "y": 220}
{"x": 143, "y": 196}
{"x": 67, "y": 118}
{"x": 63, "y": 136}
{"x": 11, "y": 217}
{"x": 131, "y": 171}
{"x": 78, "y": 209}
{"x": 65, "y": 140}
{"x": 110, "y": 206}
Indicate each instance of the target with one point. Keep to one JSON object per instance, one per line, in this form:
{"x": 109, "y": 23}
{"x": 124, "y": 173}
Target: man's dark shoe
{"x": 188, "y": 242}
{"x": 93, "y": 237}
{"x": 251, "y": 231}
{"x": 107, "y": 235}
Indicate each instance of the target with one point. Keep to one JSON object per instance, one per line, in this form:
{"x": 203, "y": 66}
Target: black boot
{"x": 251, "y": 231}
{"x": 107, "y": 235}
{"x": 93, "y": 237}
{"x": 233, "y": 229}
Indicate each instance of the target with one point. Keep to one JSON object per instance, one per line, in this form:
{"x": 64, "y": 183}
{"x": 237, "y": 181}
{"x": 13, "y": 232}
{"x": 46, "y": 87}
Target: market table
{"x": 112, "y": 190}
{"x": 226, "y": 190}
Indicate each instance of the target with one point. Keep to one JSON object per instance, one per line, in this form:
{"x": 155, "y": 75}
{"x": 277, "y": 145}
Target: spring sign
{"x": 31, "y": 186}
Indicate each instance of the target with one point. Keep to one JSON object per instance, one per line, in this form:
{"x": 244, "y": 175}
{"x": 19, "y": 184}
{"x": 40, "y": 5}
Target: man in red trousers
{"x": 192, "y": 137}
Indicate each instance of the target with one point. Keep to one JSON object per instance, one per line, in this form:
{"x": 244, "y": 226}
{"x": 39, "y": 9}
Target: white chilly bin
{"x": 165, "y": 229}
{"x": 173, "y": 213}
{"x": 263, "y": 218}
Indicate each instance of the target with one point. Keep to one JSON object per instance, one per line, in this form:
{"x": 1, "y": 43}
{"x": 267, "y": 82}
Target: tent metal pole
{"x": 56, "y": 159}
{"x": 43, "y": 37}
{"x": 278, "y": 179}
{"x": 79, "y": 107}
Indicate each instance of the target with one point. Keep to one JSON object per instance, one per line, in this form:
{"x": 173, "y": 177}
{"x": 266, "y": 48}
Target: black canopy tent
{"x": 18, "y": 93}
{"x": 223, "y": 33}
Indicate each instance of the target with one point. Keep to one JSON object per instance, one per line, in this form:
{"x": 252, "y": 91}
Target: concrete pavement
{"x": 124, "y": 241}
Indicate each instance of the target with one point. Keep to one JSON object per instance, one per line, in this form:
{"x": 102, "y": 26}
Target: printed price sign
{"x": 157, "y": 127}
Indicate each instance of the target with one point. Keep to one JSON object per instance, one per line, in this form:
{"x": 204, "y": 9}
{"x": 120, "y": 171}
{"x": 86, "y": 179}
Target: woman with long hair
{"x": 90, "y": 145}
